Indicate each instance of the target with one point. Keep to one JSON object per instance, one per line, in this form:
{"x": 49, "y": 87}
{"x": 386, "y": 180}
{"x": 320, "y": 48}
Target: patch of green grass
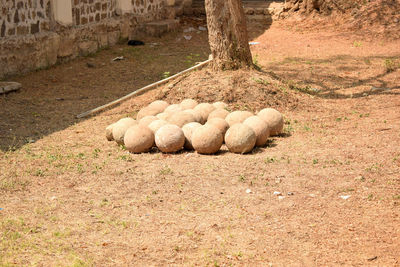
{"x": 255, "y": 62}
{"x": 261, "y": 81}
{"x": 270, "y": 160}
{"x": 79, "y": 263}
{"x": 192, "y": 59}
{"x": 376, "y": 167}
{"x": 307, "y": 89}
{"x": 13, "y": 183}
{"x": 390, "y": 65}
{"x": 367, "y": 61}
{"x": 96, "y": 152}
{"x": 166, "y": 74}
{"x": 104, "y": 202}
{"x": 166, "y": 170}
{"x": 366, "y": 115}
{"x": 307, "y": 128}
{"x": 39, "y": 173}
{"x": 127, "y": 158}
{"x": 357, "y": 43}
{"x": 288, "y": 129}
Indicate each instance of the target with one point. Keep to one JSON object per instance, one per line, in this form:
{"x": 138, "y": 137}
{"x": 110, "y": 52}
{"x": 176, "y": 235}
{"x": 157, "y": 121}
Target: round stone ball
{"x": 220, "y": 123}
{"x": 188, "y": 131}
{"x": 163, "y": 116}
{"x": 220, "y": 104}
{"x": 188, "y": 103}
{"x": 237, "y": 117}
{"x": 145, "y": 121}
{"x": 120, "y": 127}
{"x": 155, "y": 125}
{"x": 218, "y": 113}
{"x": 159, "y": 105}
{"x": 169, "y": 138}
{"x": 173, "y": 109}
{"x": 138, "y": 139}
{"x": 197, "y": 116}
{"x": 181, "y": 118}
{"x": 207, "y": 139}
{"x": 204, "y": 109}
{"x": 274, "y": 119}
{"x": 240, "y": 138}
{"x": 109, "y": 135}
{"x": 146, "y": 111}
{"x": 260, "y": 128}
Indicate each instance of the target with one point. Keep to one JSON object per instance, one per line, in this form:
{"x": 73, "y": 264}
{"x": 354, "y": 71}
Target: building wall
{"x": 22, "y": 17}
{"x": 148, "y": 7}
{"x": 88, "y": 11}
{"x": 37, "y": 34}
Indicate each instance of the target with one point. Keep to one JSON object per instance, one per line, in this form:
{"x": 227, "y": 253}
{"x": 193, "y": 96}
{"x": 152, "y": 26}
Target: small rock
{"x": 118, "y": 58}
{"x": 277, "y": 193}
{"x": 201, "y": 28}
{"x": 278, "y": 179}
{"x": 254, "y": 43}
{"x": 315, "y": 90}
{"x": 345, "y": 197}
{"x": 290, "y": 193}
{"x": 6, "y": 87}
{"x": 312, "y": 195}
{"x": 53, "y": 198}
{"x": 187, "y": 37}
{"x": 248, "y": 191}
{"x": 190, "y": 29}
{"x": 281, "y": 197}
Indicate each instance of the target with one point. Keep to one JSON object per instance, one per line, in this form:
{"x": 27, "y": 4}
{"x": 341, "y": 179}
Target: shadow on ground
{"x": 340, "y": 76}
{"x": 50, "y": 99}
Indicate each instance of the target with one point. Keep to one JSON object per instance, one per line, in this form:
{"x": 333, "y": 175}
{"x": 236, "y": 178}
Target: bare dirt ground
{"x": 72, "y": 198}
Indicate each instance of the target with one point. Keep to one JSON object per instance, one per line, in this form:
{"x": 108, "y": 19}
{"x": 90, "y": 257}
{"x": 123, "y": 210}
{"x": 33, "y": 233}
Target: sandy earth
{"x": 325, "y": 193}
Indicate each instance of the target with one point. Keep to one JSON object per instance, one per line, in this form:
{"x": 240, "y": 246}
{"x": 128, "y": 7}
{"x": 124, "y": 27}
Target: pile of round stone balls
{"x": 189, "y": 125}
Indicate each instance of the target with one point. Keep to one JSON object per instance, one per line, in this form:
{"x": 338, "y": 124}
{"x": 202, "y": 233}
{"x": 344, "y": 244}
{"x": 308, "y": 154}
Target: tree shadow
{"x": 339, "y": 76}
{"x": 50, "y": 99}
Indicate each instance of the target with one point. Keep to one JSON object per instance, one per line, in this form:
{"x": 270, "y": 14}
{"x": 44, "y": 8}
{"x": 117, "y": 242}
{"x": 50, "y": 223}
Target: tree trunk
{"x": 227, "y": 34}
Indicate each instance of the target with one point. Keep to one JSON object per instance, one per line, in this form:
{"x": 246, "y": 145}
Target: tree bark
{"x": 227, "y": 34}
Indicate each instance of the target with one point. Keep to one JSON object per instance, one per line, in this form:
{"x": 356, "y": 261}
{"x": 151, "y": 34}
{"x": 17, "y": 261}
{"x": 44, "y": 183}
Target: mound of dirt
{"x": 379, "y": 18}
{"x": 241, "y": 89}
{"x": 325, "y": 7}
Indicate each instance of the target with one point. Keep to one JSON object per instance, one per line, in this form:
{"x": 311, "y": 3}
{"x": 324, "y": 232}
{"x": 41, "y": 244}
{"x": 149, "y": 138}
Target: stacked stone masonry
{"x": 88, "y": 11}
{"x": 153, "y": 9}
{"x": 22, "y": 17}
{"x": 37, "y": 34}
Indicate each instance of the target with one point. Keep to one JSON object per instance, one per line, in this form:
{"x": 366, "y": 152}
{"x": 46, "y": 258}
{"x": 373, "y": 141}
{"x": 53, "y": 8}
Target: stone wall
{"x": 22, "y": 17}
{"x": 40, "y": 33}
{"x": 88, "y": 11}
{"x": 42, "y": 50}
{"x": 148, "y": 9}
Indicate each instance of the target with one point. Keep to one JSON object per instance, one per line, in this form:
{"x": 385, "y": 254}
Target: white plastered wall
{"x": 62, "y": 11}
{"x": 124, "y": 6}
